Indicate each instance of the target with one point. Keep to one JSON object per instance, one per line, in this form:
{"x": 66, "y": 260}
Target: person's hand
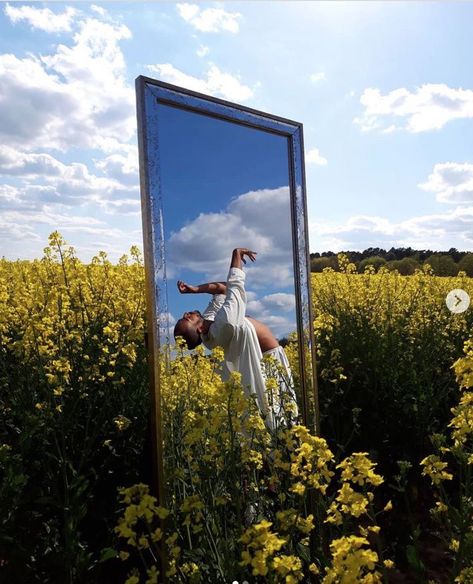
{"x": 243, "y": 251}
{"x": 186, "y": 288}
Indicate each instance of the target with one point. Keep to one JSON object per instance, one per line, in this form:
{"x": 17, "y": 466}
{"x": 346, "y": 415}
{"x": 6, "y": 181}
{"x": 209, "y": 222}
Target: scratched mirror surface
{"x": 214, "y": 177}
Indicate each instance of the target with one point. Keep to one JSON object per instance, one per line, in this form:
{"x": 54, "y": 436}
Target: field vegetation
{"x": 383, "y": 495}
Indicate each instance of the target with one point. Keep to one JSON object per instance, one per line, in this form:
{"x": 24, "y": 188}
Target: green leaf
{"x": 108, "y": 554}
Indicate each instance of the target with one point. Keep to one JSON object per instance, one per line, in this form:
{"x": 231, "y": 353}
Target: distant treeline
{"x": 403, "y": 259}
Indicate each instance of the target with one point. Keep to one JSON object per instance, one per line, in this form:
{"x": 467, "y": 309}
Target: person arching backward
{"x": 244, "y": 340}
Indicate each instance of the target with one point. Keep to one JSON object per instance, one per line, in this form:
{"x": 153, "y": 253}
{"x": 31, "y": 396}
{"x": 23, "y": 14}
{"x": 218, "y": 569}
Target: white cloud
{"x": 21, "y": 231}
{"x": 313, "y": 156}
{"x": 8, "y": 195}
{"x": 453, "y": 182}
{"x": 217, "y": 82}
{"x": 77, "y": 95}
{"x": 439, "y": 231}
{"x": 276, "y": 311}
{"x": 429, "y": 107}
{"x": 317, "y": 77}
{"x": 27, "y": 164}
{"x": 42, "y": 18}
{"x": 203, "y": 51}
{"x": 121, "y": 167}
{"x": 260, "y": 220}
{"x": 280, "y": 301}
{"x": 98, "y": 9}
{"x": 209, "y": 19}
{"x": 42, "y": 179}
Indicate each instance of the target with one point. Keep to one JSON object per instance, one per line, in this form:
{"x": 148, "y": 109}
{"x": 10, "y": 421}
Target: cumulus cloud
{"x": 42, "y": 18}
{"x": 259, "y": 219}
{"x": 452, "y": 182}
{"x": 276, "y": 311}
{"x": 8, "y": 195}
{"x": 26, "y": 164}
{"x": 123, "y": 167}
{"x": 313, "y": 156}
{"x": 435, "y": 231}
{"x": 216, "y": 82}
{"x": 77, "y": 95}
{"x": 209, "y": 19}
{"x": 429, "y": 107}
{"x": 42, "y": 179}
{"x": 279, "y": 301}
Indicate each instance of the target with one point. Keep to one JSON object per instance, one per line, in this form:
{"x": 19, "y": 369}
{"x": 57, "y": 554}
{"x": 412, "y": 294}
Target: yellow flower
{"x": 454, "y": 545}
{"x": 435, "y": 469}
{"x": 388, "y": 506}
{"x": 314, "y": 569}
{"x": 358, "y": 469}
{"x": 121, "y": 422}
{"x": 152, "y": 574}
{"x": 351, "y": 561}
{"x": 298, "y": 488}
{"x": 465, "y": 576}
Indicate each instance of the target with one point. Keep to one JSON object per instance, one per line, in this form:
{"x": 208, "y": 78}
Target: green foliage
{"x": 442, "y": 265}
{"x": 318, "y": 265}
{"x": 406, "y": 266}
{"x": 385, "y": 348}
{"x": 466, "y": 264}
{"x": 72, "y": 366}
{"x": 375, "y": 261}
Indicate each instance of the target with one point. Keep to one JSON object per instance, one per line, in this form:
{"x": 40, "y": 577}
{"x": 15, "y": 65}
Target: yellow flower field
{"x": 385, "y": 491}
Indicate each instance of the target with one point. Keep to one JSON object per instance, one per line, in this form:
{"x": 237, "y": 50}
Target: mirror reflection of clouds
{"x": 260, "y": 220}
{"x": 225, "y": 185}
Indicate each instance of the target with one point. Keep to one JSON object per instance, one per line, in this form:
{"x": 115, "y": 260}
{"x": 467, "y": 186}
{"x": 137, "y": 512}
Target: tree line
{"x": 405, "y": 260}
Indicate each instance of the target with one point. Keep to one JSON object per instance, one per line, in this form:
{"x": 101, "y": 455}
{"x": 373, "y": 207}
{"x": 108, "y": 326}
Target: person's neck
{"x": 205, "y": 326}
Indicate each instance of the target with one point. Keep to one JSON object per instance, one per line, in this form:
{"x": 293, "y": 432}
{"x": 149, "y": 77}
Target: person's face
{"x": 192, "y": 317}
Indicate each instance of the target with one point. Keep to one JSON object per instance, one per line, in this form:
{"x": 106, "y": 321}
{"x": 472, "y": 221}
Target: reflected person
{"x": 244, "y": 339}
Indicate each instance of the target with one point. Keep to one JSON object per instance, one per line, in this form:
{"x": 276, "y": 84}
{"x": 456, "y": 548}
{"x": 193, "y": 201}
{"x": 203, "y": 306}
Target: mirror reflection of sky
{"x": 225, "y": 185}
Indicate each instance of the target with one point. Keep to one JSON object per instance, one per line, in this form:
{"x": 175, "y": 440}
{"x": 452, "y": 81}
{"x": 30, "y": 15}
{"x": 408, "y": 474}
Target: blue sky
{"x": 223, "y": 185}
{"x": 384, "y": 90}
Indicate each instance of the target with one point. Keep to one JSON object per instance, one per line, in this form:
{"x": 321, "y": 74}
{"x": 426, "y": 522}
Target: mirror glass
{"x": 226, "y": 185}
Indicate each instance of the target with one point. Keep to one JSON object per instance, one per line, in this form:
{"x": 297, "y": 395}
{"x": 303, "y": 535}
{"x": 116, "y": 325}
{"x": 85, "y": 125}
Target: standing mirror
{"x": 216, "y": 176}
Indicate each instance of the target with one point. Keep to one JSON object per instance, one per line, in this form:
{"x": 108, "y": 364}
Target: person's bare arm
{"x": 209, "y": 288}
{"x": 238, "y": 257}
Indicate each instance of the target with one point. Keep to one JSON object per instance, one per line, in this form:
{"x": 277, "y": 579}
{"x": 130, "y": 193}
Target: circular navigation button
{"x": 457, "y": 300}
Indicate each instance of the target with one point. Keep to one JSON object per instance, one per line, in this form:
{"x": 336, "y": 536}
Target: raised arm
{"x": 209, "y": 288}
{"x": 238, "y": 257}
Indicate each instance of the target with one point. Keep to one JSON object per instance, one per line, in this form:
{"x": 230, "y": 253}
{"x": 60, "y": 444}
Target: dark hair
{"x": 188, "y": 333}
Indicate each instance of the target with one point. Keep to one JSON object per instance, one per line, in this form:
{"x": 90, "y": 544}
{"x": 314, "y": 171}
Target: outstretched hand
{"x": 246, "y": 252}
{"x": 238, "y": 256}
{"x": 185, "y": 288}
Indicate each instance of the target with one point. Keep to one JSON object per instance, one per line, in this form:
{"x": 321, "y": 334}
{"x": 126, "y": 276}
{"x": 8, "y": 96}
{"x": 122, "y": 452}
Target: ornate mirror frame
{"x": 150, "y": 93}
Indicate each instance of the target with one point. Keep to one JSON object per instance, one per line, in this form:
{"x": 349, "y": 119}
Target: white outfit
{"x": 237, "y": 336}
{"x": 286, "y": 383}
{"x": 214, "y": 306}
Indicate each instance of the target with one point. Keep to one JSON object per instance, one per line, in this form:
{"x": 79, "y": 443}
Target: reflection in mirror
{"x": 216, "y": 177}
{"x": 225, "y": 186}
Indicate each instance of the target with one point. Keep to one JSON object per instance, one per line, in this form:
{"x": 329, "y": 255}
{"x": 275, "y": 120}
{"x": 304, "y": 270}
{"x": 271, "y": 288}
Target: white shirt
{"x": 237, "y": 337}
